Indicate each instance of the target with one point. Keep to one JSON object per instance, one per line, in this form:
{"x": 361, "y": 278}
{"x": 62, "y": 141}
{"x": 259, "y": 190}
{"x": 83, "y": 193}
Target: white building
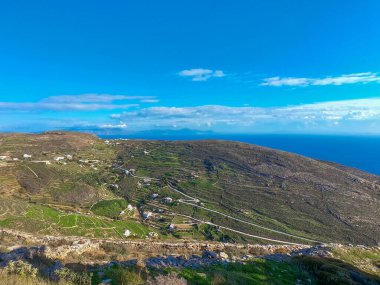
{"x": 147, "y": 215}
{"x": 59, "y": 158}
{"x": 127, "y": 233}
{"x": 154, "y": 195}
{"x": 47, "y": 162}
{"x": 167, "y": 200}
{"x": 114, "y": 186}
{"x": 172, "y": 227}
{"x": 27, "y": 155}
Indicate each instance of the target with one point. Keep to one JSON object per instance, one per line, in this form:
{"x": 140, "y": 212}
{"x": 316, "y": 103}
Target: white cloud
{"x": 317, "y": 116}
{"x": 41, "y": 106}
{"x": 200, "y": 74}
{"x": 149, "y": 101}
{"x": 346, "y": 116}
{"x": 120, "y": 125}
{"x": 82, "y": 102}
{"x": 93, "y": 98}
{"x": 365, "y": 77}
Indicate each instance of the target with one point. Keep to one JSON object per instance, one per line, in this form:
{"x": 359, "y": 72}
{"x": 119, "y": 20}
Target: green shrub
{"x": 70, "y": 276}
{"x": 125, "y": 276}
{"x": 328, "y": 271}
{"x": 171, "y": 279}
{"x": 109, "y": 208}
{"x": 21, "y": 268}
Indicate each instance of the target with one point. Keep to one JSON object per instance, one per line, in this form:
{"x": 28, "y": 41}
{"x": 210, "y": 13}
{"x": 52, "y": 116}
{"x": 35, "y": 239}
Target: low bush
{"x": 72, "y": 277}
{"x": 109, "y": 208}
{"x": 172, "y": 279}
{"x": 21, "y": 268}
{"x": 125, "y": 276}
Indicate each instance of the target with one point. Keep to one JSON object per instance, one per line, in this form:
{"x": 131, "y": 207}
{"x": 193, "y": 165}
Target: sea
{"x": 362, "y": 152}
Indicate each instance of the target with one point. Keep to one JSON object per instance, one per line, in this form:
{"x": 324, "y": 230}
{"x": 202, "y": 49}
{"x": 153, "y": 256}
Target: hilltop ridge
{"x": 215, "y": 190}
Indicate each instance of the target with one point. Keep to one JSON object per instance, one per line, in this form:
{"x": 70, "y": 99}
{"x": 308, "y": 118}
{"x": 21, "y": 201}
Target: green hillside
{"x": 77, "y": 184}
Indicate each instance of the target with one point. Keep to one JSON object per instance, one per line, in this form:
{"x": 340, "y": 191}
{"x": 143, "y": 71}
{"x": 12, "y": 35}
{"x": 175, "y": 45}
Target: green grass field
{"x": 41, "y": 219}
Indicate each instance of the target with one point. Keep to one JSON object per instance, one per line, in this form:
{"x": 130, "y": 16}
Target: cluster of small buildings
{"x": 129, "y": 208}
{"x": 67, "y": 156}
{"x": 166, "y": 200}
{"x": 10, "y": 158}
{"x": 27, "y": 156}
{"x": 112, "y": 142}
{"x": 93, "y": 163}
{"x": 7, "y": 158}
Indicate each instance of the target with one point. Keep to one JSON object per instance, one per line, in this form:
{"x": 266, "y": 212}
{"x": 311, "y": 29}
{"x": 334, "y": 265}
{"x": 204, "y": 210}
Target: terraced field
{"x": 236, "y": 188}
{"x": 41, "y": 219}
{"x": 277, "y": 190}
{"x": 8, "y": 182}
{"x": 11, "y": 207}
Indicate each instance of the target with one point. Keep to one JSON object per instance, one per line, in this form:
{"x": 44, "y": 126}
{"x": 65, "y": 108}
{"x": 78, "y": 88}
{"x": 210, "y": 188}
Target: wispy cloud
{"x": 82, "y": 102}
{"x": 120, "y": 125}
{"x": 346, "y": 116}
{"x": 354, "y": 78}
{"x": 318, "y": 116}
{"x": 94, "y": 98}
{"x": 200, "y": 74}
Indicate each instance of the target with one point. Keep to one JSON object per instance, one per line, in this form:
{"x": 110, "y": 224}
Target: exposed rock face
{"x": 20, "y": 253}
{"x": 62, "y": 247}
{"x": 223, "y": 255}
{"x": 194, "y": 261}
{"x": 321, "y": 251}
{"x": 78, "y": 247}
{"x": 205, "y": 254}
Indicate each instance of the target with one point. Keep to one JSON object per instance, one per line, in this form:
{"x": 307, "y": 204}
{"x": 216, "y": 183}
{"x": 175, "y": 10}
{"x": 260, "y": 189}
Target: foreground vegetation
{"x": 299, "y": 270}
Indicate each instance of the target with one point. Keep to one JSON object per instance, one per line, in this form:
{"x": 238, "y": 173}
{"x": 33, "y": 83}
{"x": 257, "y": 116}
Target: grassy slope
{"x": 280, "y": 190}
{"x": 55, "y": 199}
{"x": 367, "y": 260}
{"x": 41, "y": 219}
{"x": 299, "y": 270}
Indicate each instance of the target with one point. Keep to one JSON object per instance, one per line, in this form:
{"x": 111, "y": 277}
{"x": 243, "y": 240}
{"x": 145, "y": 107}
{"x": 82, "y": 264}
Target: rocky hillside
{"x": 277, "y": 189}
{"x": 61, "y": 183}
{"x": 74, "y": 260}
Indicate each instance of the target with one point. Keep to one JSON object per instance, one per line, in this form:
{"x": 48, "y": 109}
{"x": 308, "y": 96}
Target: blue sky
{"x": 221, "y": 66}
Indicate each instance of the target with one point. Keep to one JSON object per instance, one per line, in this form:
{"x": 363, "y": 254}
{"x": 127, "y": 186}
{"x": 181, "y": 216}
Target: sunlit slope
{"x": 236, "y": 188}
{"x": 273, "y": 188}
